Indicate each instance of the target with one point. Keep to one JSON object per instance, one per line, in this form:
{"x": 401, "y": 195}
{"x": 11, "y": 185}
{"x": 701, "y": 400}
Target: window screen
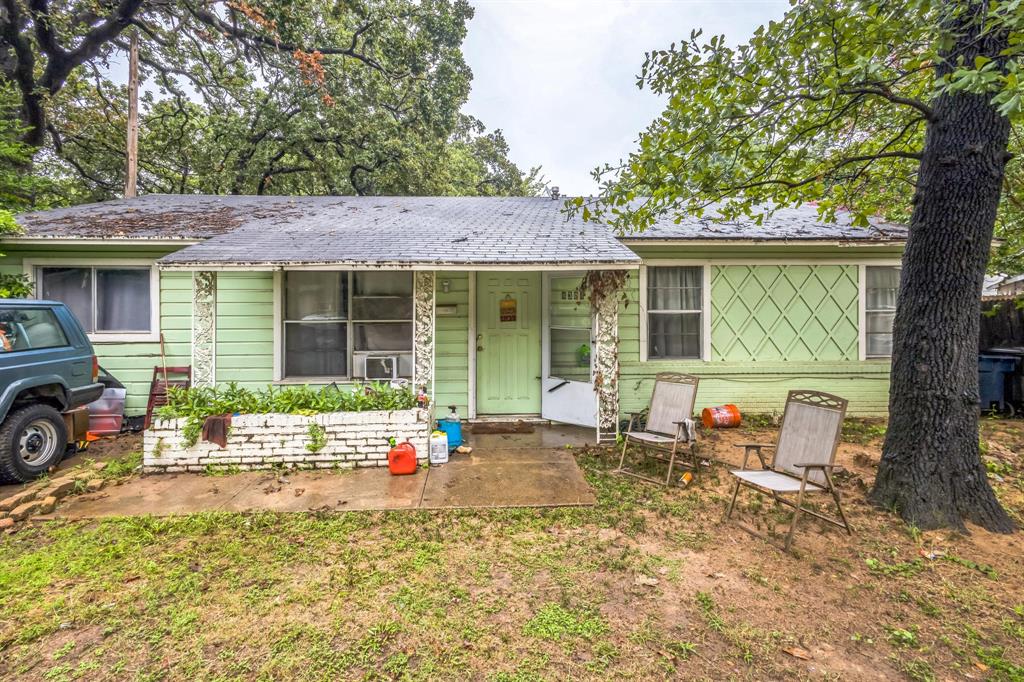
{"x": 105, "y": 300}
{"x": 881, "y": 288}
{"x": 674, "y": 317}
{"x": 330, "y": 316}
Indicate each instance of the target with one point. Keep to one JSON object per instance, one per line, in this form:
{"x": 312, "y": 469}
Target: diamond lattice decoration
{"x": 784, "y": 312}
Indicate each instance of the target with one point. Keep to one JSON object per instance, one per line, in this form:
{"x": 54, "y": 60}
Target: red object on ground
{"x": 402, "y": 459}
{"x": 721, "y": 417}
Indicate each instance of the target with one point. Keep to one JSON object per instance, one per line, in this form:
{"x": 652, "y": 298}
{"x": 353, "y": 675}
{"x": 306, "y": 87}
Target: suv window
{"x": 29, "y": 329}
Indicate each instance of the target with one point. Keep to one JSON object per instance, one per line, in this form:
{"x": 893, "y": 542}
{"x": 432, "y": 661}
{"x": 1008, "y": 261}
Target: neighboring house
{"x": 1002, "y": 287}
{"x": 475, "y": 298}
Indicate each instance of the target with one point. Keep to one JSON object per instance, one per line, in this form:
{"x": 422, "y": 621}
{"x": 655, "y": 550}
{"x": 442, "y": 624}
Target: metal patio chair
{"x": 804, "y": 457}
{"x": 668, "y": 427}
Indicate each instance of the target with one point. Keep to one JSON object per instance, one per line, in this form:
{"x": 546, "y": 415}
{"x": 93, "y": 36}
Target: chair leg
{"x": 839, "y": 506}
{"x": 622, "y": 458}
{"x": 796, "y": 513}
{"x": 671, "y": 463}
{"x": 735, "y": 492}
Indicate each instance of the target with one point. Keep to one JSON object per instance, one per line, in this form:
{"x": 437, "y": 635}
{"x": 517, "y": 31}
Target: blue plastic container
{"x": 993, "y": 371}
{"x": 452, "y": 427}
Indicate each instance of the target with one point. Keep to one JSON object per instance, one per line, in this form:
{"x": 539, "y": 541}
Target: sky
{"x": 558, "y": 77}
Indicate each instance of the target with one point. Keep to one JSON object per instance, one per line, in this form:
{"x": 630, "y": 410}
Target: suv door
{"x": 33, "y": 341}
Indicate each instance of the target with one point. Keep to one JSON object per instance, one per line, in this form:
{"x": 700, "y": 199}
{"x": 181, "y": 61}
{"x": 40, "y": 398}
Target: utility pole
{"x": 132, "y": 172}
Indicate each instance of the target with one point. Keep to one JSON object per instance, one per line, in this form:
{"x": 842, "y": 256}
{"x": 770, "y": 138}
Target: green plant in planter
{"x": 317, "y": 438}
{"x": 197, "y": 403}
{"x": 583, "y": 355}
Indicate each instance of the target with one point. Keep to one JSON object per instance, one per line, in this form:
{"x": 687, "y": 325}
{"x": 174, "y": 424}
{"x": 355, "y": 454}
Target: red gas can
{"x": 402, "y": 459}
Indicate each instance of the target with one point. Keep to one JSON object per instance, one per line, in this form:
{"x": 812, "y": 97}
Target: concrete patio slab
{"x": 504, "y": 470}
{"x": 357, "y": 490}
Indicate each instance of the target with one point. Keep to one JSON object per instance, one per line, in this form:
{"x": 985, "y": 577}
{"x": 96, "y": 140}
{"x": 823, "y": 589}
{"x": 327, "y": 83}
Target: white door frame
{"x": 582, "y": 391}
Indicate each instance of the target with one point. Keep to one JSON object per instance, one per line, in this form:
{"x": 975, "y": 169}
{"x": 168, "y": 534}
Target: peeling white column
{"x": 606, "y": 358}
{"x": 423, "y": 331}
{"x": 204, "y": 328}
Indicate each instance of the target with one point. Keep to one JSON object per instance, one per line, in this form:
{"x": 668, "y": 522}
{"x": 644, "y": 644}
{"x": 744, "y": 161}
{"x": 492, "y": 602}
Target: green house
{"x": 498, "y": 306}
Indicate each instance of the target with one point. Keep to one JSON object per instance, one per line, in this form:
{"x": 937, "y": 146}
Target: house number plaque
{"x": 507, "y": 309}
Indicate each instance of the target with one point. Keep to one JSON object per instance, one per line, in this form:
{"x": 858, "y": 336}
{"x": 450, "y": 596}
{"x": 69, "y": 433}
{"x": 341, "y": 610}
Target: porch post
{"x": 423, "y": 332}
{"x": 606, "y": 358}
{"x": 204, "y": 328}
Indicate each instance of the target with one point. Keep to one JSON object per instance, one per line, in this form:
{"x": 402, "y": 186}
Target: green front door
{"x": 508, "y": 319}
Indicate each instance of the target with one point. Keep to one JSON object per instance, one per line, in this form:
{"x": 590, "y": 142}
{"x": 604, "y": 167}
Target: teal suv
{"x": 47, "y": 369}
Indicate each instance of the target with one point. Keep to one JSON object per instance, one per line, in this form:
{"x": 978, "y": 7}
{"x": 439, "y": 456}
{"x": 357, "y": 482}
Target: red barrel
{"x": 721, "y": 417}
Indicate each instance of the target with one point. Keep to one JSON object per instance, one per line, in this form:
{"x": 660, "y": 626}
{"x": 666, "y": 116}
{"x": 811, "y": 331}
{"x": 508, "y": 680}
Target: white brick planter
{"x": 263, "y": 441}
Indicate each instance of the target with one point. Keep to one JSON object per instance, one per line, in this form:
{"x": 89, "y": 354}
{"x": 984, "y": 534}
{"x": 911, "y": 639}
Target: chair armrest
{"x": 681, "y": 430}
{"x": 756, "y": 448}
{"x": 819, "y": 466}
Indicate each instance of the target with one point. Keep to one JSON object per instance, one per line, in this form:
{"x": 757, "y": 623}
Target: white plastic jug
{"x": 438, "y": 447}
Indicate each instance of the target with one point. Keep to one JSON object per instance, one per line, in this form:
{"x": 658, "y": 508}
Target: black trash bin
{"x": 1005, "y": 367}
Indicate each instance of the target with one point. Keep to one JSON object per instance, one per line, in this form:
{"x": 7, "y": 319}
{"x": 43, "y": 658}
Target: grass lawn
{"x": 647, "y": 584}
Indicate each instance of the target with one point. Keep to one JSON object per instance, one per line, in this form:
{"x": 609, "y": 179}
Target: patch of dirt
{"x": 648, "y": 584}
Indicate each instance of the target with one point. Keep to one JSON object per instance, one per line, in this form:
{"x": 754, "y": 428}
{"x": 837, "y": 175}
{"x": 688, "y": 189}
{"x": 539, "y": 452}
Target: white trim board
{"x": 471, "y": 387}
{"x": 29, "y": 266}
{"x": 642, "y": 241}
{"x": 446, "y": 267}
{"x": 85, "y": 241}
{"x": 770, "y": 261}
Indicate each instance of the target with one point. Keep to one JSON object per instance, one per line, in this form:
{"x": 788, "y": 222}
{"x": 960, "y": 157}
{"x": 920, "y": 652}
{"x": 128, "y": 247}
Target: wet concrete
{"x": 504, "y": 470}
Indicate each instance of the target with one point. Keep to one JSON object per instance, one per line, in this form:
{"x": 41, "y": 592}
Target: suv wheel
{"x": 32, "y": 439}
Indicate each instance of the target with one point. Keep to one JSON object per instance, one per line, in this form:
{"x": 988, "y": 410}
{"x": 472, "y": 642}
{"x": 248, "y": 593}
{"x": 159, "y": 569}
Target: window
{"x": 880, "y": 288}
{"x": 337, "y": 322}
{"x": 112, "y": 300}
{"x": 674, "y": 315}
{"x": 29, "y": 329}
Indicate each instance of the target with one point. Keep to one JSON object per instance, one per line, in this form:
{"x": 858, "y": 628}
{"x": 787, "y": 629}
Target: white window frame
{"x": 153, "y": 335}
{"x": 862, "y": 303}
{"x": 705, "y": 311}
{"x": 350, "y": 322}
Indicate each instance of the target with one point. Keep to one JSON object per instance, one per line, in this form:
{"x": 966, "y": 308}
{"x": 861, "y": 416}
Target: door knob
{"x": 479, "y": 348}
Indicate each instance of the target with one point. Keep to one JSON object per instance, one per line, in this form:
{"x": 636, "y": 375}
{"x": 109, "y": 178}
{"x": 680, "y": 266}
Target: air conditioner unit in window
{"x": 378, "y": 367}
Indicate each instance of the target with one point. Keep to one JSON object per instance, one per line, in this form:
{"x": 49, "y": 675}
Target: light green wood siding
{"x": 774, "y": 328}
{"x": 245, "y": 328}
{"x": 451, "y": 349}
{"x": 131, "y": 363}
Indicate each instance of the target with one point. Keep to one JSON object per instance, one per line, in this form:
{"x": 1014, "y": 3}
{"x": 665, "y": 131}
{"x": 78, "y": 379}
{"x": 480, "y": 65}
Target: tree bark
{"x": 931, "y": 471}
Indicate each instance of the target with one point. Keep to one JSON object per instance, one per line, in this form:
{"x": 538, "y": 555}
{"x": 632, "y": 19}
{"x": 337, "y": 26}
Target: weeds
{"x": 709, "y": 610}
{"x": 900, "y": 637}
{"x": 905, "y": 569}
{"x": 317, "y": 437}
{"x": 555, "y": 622}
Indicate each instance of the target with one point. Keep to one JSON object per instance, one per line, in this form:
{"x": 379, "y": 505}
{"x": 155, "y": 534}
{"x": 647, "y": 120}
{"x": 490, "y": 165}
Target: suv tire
{"x": 32, "y": 439}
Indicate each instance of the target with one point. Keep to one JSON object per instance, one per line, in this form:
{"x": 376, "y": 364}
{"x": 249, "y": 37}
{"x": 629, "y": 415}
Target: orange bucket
{"x": 721, "y": 417}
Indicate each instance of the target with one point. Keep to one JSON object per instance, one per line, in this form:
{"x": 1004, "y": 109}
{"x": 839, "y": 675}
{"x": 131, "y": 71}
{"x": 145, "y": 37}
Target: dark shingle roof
{"x": 789, "y": 224}
{"x": 152, "y": 216}
{"x": 240, "y": 230}
{"x": 411, "y": 230}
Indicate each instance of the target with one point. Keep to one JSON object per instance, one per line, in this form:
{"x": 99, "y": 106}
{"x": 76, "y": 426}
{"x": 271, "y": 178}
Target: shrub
{"x": 199, "y": 402}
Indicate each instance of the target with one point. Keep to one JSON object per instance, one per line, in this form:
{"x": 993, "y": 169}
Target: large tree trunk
{"x": 931, "y": 471}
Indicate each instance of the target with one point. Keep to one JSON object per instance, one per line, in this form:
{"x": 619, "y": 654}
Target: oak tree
{"x": 275, "y": 96}
{"x": 895, "y": 108}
